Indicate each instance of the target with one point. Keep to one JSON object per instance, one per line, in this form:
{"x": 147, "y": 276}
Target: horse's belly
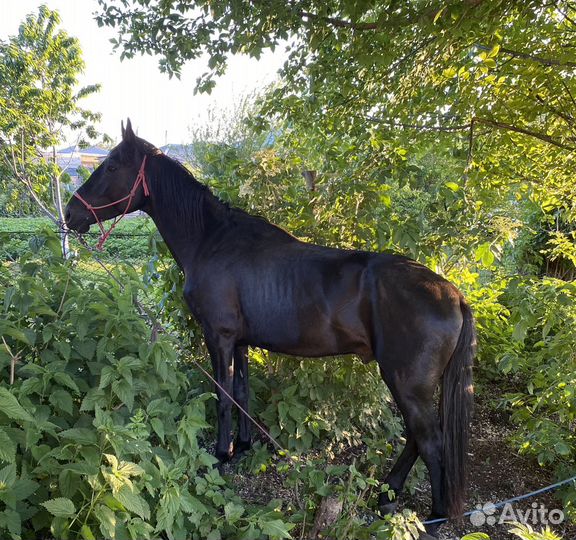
{"x": 311, "y": 334}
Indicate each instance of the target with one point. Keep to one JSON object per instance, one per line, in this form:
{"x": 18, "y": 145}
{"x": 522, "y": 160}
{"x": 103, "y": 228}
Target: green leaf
{"x": 62, "y": 400}
{"x": 60, "y": 507}
{"x": 13, "y": 522}
{"x": 17, "y": 334}
{"x": 438, "y": 15}
{"x": 86, "y": 348}
{"x": 562, "y": 448}
{"x": 107, "y": 520}
{"x": 128, "y": 468}
{"x": 125, "y": 392}
{"x": 476, "y": 536}
{"x": 276, "y": 528}
{"x": 85, "y": 468}
{"x": 93, "y": 398}
{"x": 494, "y": 52}
{"x": 23, "y": 488}
{"x": 192, "y": 505}
{"x": 64, "y": 348}
{"x": 7, "y": 476}
{"x": 158, "y": 427}
{"x": 133, "y": 502}
{"x": 233, "y": 512}
{"x": 10, "y": 407}
{"x": 68, "y": 483}
{"x": 484, "y": 254}
{"x": 7, "y": 447}
{"x": 65, "y": 380}
{"x": 80, "y": 435}
{"x": 86, "y": 532}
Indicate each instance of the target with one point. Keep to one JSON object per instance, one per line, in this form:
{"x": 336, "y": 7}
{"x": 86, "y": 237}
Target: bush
{"x": 527, "y": 331}
{"x": 543, "y": 316}
{"x": 129, "y": 242}
{"x": 330, "y": 402}
{"x": 100, "y": 430}
{"x": 524, "y": 532}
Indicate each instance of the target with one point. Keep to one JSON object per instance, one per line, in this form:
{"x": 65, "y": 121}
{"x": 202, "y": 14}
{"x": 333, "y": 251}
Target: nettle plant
{"x": 100, "y": 431}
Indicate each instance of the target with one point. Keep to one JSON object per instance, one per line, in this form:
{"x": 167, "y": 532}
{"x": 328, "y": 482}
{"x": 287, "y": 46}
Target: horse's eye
{"x": 111, "y": 168}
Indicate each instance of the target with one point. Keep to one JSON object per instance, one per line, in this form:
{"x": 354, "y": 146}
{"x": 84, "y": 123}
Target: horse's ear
{"x": 127, "y": 133}
{"x": 122, "y": 128}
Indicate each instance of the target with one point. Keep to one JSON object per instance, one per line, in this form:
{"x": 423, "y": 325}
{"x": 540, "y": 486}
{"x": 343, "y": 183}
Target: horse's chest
{"x": 212, "y": 300}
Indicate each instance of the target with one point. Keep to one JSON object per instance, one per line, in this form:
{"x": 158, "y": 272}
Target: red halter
{"x": 140, "y": 179}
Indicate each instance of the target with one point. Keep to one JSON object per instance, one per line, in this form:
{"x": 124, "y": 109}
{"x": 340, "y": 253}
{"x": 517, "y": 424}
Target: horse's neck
{"x": 185, "y": 231}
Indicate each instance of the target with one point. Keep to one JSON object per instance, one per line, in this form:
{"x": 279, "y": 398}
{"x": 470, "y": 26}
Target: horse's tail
{"x": 455, "y": 412}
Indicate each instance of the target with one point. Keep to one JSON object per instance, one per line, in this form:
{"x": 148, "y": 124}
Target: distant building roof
{"x": 89, "y": 151}
{"x": 179, "y": 152}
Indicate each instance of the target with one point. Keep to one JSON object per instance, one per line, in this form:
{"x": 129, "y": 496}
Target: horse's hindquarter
{"x": 418, "y": 316}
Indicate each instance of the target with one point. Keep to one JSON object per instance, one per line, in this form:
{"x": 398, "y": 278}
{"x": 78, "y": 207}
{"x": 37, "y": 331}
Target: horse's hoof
{"x": 223, "y": 458}
{"x": 242, "y": 446}
{"x": 387, "y": 509}
{"x": 431, "y": 530}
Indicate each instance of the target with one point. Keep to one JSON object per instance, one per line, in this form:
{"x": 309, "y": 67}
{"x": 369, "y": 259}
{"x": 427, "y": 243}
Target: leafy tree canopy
{"x": 486, "y": 86}
{"x": 39, "y": 99}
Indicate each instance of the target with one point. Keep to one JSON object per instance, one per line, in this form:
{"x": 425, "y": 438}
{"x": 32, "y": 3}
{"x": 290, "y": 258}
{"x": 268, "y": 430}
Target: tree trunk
{"x": 60, "y": 210}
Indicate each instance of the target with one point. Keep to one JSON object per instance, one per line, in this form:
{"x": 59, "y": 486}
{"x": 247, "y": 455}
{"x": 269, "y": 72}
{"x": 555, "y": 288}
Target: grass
{"x": 128, "y": 242}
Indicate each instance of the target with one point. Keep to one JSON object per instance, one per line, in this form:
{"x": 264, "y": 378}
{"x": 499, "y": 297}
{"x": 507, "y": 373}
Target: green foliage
{"x": 417, "y": 210}
{"x": 440, "y": 130}
{"x": 121, "y": 246}
{"x": 39, "y": 98}
{"x": 519, "y": 530}
{"x": 526, "y": 337}
{"x": 352, "y": 491}
{"x": 525, "y": 532}
{"x": 335, "y": 402}
{"x": 101, "y": 431}
{"x": 543, "y": 314}
{"x": 458, "y": 135}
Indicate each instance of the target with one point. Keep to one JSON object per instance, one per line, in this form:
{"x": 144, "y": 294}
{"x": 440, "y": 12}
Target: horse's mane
{"x": 190, "y": 201}
{"x": 177, "y": 191}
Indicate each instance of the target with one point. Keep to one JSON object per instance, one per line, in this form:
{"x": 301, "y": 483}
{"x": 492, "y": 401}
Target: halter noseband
{"x": 105, "y": 234}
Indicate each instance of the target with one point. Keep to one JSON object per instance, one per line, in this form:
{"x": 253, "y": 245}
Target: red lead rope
{"x": 140, "y": 179}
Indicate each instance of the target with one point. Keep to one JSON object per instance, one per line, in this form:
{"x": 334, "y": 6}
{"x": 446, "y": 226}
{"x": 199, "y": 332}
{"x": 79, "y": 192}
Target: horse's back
{"x": 308, "y": 300}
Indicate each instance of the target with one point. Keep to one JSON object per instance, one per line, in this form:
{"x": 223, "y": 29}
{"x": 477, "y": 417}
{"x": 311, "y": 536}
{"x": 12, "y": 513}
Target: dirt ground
{"x": 497, "y": 473}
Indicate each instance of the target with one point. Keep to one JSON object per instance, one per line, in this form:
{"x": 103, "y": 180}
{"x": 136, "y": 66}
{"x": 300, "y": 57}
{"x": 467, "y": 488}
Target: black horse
{"x": 250, "y": 283}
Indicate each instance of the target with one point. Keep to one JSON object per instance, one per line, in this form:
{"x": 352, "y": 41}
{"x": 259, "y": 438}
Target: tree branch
{"x": 399, "y": 21}
{"x": 23, "y": 178}
{"x": 475, "y": 120}
{"x": 565, "y": 116}
{"x": 533, "y": 57}
{"x": 340, "y": 23}
{"x": 509, "y": 127}
{"x": 420, "y": 127}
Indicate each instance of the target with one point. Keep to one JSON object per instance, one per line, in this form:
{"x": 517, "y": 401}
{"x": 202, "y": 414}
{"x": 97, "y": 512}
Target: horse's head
{"x": 109, "y": 186}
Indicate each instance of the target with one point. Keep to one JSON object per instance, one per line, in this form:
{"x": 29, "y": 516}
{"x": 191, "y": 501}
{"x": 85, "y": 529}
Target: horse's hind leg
{"x": 397, "y": 476}
{"x": 242, "y": 396}
{"x": 413, "y": 384}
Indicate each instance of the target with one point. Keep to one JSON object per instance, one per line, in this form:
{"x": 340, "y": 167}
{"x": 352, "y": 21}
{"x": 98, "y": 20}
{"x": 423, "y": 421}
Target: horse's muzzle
{"x": 77, "y": 219}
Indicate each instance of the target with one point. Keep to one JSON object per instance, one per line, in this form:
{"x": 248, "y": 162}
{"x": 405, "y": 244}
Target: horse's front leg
{"x": 242, "y": 397}
{"x": 221, "y": 349}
